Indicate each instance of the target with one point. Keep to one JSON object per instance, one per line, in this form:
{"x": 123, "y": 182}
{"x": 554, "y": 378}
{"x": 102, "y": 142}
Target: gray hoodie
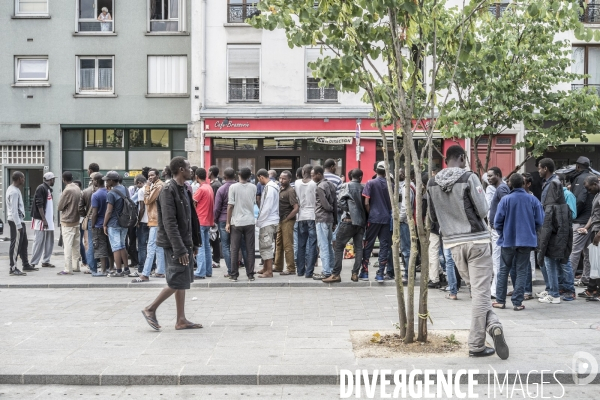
{"x": 458, "y": 204}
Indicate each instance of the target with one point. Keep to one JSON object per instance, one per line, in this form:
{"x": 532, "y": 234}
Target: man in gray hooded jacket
{"x": 458, "y": 204}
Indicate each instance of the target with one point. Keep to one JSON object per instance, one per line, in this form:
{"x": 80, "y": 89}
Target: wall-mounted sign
{"x": 231, "y": 124}
{"x": 333, "y": 140}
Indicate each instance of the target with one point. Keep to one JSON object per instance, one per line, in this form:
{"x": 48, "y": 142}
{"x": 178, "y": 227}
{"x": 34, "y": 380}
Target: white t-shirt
{"x": 269, "y": 206}
{"x": 38, "y": 224}
{"x": 140, "y": 199}
{"x": 307, "y": 199}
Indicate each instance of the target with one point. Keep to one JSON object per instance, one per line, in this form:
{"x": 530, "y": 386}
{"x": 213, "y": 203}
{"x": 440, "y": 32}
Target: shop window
{"x": 223, "y": 144}
{"x": 30, "y": 69}
{"x": 246, "y": 144}
{"x": 108, "y": 160}
{"x": 31, "y": 7}
{"x": 95, "y": 16}
{"x": 247, "y": 163}
{"x": 141, "y": 159}
{"x": 166, "y": 15}
{"x": 243, "y": 71}
{"x": 148, "y": 138}
{"x": 95, "y": 75}
{"x": 114, "y": 138}
{"x": 277, "y": 144}
{"x": 167, "y": 75}
{"x": 223, "y": 163}
{"x": 312, "y": 146}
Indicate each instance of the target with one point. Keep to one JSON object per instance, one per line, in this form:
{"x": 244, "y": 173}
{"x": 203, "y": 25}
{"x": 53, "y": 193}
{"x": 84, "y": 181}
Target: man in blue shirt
{"x": 494, "y": 176}
{"x": 518, "y": 217}
{"x": 100, "y": 241}
{"x": 112, "y": 228}
{"x": 379, "y": 208}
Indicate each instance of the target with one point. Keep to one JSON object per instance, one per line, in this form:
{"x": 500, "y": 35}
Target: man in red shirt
{"x": 204, "y": 202}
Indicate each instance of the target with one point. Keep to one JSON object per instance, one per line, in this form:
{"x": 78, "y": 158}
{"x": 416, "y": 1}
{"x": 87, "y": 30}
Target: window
{"x": 30, "y": 69}
{"x": 166, "y": 15}
{"x": 243, "y": 64}
{"x": 313, "y": 91}
{"x": 31, "y": 7}
{"x": 95, "y": 75}
{"x": 156, "y": 138}
{"x": 591, "y": 14}
{"x": 240, "y": 10}
{"x": 167, "y": 75}
{"x": 498, "y": 7}
{"x": 104, "y": 138}
{"x": 586, "y": 60}
{"x": 95, "y": 16}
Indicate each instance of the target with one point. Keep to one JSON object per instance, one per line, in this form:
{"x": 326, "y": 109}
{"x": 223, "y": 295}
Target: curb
{"x": 252, "y": 379}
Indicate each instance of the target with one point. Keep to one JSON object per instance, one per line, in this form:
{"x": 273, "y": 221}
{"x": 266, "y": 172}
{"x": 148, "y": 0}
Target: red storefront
{"x": 287, "y": 144}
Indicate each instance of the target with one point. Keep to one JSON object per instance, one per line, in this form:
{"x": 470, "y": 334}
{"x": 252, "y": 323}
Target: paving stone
{"x": 298, "y": 375}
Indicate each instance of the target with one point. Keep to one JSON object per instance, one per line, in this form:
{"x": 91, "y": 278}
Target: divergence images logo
{"x": 585, "y": 368}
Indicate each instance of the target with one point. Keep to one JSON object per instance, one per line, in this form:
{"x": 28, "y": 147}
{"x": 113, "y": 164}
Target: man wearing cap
{"x": 42, "y": 214}
{"x": 584, "y": 203}
{"x": 112, "y": 228}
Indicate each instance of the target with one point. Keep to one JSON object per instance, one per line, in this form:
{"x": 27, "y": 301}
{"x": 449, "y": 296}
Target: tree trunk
{"x": 410, "y": 312}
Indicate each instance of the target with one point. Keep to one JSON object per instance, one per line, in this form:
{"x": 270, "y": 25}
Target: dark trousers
{"x": 82, "y": 247}
{"x": 237, "y": 233}
{"x": 519, "y": 257}
{"x": 18, "y": 244}
{"x": 374, "y": 231}
{"x": 143, "y": 233}
{"x": 216, "y": 248}
{"x": 132, "y": 246}
{"x": 345, "y": 232}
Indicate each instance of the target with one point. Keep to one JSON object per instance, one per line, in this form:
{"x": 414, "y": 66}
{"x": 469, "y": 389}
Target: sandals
{"x": 519, "y": 308}
{"x": 159, "y": 275}
{"x": 498, "y": 305}
{"x": 151, "y": 321}
{"x": 451, "y": 296}
{"x": 139, "y": 280}
{"x": 134, "y": 274}
{"x": 527, "y": 297}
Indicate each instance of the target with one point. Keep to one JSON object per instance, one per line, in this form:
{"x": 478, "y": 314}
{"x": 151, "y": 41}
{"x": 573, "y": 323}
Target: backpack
{"x": 129, "y": 214}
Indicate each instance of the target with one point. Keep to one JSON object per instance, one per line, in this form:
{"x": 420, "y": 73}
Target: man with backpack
{"x": 117, "y": 220}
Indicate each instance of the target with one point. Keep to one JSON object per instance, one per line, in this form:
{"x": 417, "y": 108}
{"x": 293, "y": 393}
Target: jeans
{"x": 242, "y": 234}
{"x": 82, "y": 247}
{"x": 307, "y": 247}
{"x": 117, "y": 237}
{"x": 296, "y": 242}
{"x": 405, "y": 246}
{"x": 154, "y": 250}
{"x": 345, "y": 232}
{"x": 89, "y": 255}
{"x": 225, "y": 245}
{"x": 552, "y": 270}
{"x": 142, "y": 244}
{"x": 566, "y": 278}
{"x": 519, "y": 257}
{"x": 204, "y": 257}
{"x": 381, "y": 231}
{"x": 324, "y": 237}
{"x": 451, "y": 272}
{"x": 528, "y": 281}
{"x": 580, "y": 247}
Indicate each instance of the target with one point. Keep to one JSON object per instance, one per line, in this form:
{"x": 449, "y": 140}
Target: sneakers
{"x": 251, "y": 278}
{"x": 116, "y": 274}
{"x": 319, "y": 277}
{"x": 434, "y": 285}
{"x": 586, "y": 294}
{"x": 364, "y": 276}
{"x": 541, "y": 295}
{"x": 30, "y": 267}
{"x": 232, "y": 279}
{"x": 17, "y": 272}
{"x": 580, "y": 282}
{"x": 379, "y": 278}
{"x": 549, "y": 300}
{"x": 332, "y": 279}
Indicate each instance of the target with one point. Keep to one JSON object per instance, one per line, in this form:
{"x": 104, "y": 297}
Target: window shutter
{"x": 243, "y": 62}
{"x": 313, "y": 54}
{"x": 167, "y": 74}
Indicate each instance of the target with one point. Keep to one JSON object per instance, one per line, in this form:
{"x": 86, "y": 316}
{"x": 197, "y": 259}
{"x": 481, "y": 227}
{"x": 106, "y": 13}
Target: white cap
{"x": 48, "y": 176}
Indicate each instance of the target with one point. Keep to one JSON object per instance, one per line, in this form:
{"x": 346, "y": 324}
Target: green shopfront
{"x": 126, "y": 149}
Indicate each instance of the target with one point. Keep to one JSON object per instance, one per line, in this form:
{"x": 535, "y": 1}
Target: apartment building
{"x": 86, "y": 81}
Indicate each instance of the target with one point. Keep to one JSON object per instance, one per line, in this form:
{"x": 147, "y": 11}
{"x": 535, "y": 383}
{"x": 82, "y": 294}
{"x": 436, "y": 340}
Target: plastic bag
{"x": 594, "y": 261}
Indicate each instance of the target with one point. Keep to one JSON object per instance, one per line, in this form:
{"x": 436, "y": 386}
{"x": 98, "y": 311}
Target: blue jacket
{"x": 571, "y": 201}
{"x": 518, "y": 217}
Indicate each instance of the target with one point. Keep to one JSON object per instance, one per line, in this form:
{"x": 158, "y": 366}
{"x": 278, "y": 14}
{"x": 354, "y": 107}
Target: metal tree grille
{"x": 22, "y": 154}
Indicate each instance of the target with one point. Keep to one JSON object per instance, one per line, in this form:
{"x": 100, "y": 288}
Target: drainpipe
{"x": 204, "y": 7}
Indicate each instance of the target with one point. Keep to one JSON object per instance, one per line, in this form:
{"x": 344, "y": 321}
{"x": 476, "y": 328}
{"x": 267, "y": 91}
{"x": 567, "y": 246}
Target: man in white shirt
{"x": 142, "y": 230}
{"x": 267, "y": 222}
{"x": 42, "y": 213}
{"x": 18, "y": 233}
{"x": 306, "y": 191}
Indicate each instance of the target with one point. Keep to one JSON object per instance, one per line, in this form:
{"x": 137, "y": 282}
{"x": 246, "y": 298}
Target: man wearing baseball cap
{"x": 584, "y": 204}
{"x": 42, "y": 213}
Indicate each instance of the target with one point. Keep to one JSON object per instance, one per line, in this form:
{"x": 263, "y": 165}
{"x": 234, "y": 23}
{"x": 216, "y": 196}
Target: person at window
{"x": 42, "y": 213}
{"x": 103, "y": 18}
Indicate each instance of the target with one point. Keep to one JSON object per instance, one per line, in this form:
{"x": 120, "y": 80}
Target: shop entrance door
{"x": 281, "y": 164}
{"x": 33, "y": 178}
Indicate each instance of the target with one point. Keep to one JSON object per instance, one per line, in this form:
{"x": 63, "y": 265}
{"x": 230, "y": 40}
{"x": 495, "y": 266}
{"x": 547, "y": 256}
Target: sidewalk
{"x": 258, "y": 336}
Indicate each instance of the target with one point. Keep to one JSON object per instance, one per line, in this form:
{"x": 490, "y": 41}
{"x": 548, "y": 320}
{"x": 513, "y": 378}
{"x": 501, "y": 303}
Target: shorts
{"x": 101, "y": 245}
{"x": 117, "y": 237}
{"x": 179, "y": 276}
{"x": 266, "y": 238}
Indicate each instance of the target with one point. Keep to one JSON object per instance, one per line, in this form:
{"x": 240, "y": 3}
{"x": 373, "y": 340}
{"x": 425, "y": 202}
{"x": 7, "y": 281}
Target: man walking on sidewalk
{"x": 42, "y": 213}
{"x": 68, "y": 206}
{"x": 178, "y": 229}
{"x": 352, "y": 226}
{"x": 518, "y": 217}
{"x": 457, "y": 203}
{"x": 288, "y": 208}
{"x": 18, "y": 233}
{"x": 204, "y": 204}
{"x": 325, "y": 220}
{"x": 267, "y": 221}
{"x": 240, "y": 223}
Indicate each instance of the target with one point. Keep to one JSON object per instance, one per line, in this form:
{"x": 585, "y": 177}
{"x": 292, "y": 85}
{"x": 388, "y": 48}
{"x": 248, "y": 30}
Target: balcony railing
{"x": 244, "y": 91}
{"x": 321, "y": 94}
{"x": 237, "y": 13}
{"x": 95, "y": 26}
{"x": 591, "y": 14}
{"x": 575, "y": 86}
{"x": 497, "y": 9}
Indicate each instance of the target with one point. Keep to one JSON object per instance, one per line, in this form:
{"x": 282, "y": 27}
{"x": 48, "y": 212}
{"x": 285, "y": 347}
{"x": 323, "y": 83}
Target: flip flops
{"x": 151, "y": 321}
{"x": 498, "y": 305}
{"x": 139, "y": 280}
{"x": 190, "y": 326}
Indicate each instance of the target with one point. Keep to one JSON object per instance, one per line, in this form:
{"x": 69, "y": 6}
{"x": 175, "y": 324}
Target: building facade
{"x": 84, "y": 81}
